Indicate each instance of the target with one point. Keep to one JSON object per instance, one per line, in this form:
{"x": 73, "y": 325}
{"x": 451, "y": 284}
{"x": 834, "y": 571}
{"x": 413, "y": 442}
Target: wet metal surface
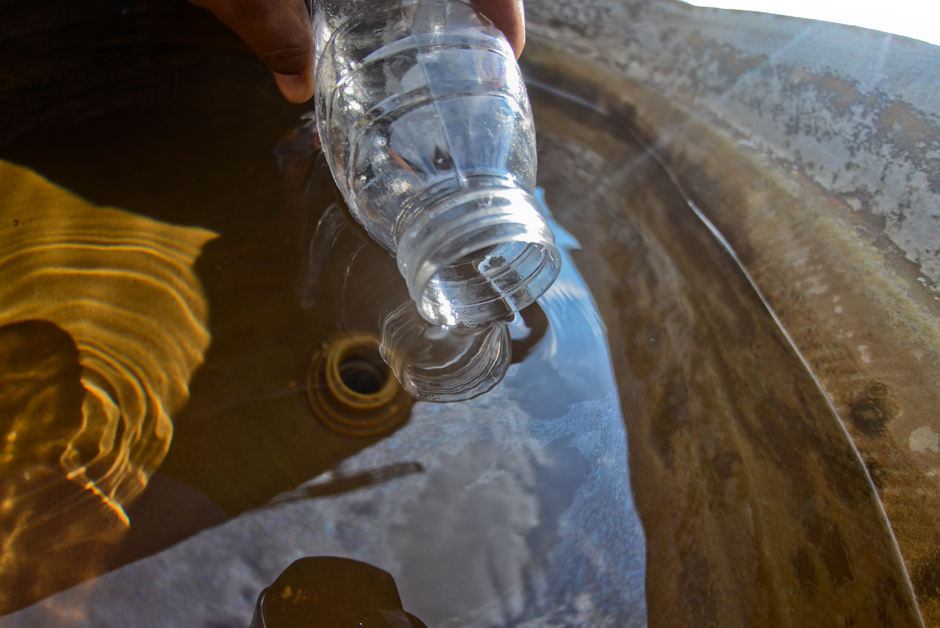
{"x": 812, "y": 148}
{"x": 855, "y": 111}
{"x": 720, "y": 410}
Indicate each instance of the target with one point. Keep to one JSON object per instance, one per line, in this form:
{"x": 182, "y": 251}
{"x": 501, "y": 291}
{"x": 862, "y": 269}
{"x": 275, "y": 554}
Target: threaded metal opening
{"x": 364, "y": 374}
{"x": 351, "y": 389}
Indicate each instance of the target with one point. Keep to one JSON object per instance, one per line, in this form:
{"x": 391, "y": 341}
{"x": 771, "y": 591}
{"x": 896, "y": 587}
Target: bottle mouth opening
{"x": 478, "y": 256}
{"x": 443, "y": 364}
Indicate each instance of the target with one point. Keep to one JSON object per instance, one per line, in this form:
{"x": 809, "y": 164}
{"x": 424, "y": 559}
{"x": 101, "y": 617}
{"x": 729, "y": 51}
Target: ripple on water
{"x": 102, "y": 325}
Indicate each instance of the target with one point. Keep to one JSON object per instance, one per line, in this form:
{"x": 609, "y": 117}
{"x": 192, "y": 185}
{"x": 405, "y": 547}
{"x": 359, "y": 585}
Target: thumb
{"x": 508, "y": 16}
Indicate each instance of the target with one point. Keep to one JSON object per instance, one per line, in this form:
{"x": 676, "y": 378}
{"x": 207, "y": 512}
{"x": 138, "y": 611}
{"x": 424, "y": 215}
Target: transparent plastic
{"x": 433, "y": 362}
{"x": 442, "y": 363}
{"x": 426, "y": 125}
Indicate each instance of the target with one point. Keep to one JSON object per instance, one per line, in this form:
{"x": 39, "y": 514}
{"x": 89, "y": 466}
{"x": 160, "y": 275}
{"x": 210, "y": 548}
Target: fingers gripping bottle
{"x": 426, "y": 125}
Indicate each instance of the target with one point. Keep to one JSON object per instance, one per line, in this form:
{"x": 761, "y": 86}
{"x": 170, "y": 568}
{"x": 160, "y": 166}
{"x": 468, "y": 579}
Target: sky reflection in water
{"x": 515, "y": 509}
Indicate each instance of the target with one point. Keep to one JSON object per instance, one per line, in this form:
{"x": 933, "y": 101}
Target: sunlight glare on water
{"x": 105, "y": 324}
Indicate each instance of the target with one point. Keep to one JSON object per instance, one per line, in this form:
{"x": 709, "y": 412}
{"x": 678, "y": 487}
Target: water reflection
{"x": 523, "y": 513}
{"x": 335, "y": 592}
{"x": 441, "y": 362}
{"x": 334, "y": 484}
{"x": 512, "y": 508}
{"x": 432, "y": 362}
{"x": 102, "y": 325}
{"x": 574, "y": 354}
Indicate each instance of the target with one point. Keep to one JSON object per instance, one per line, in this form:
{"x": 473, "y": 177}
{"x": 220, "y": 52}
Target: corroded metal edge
{"x": 860, "y": 310}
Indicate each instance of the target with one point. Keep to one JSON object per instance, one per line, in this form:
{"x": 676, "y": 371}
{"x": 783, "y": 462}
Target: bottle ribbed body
{"x": 426, "y": 125}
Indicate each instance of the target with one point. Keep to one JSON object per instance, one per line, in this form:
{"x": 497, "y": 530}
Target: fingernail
{"x": 295, "y": 88}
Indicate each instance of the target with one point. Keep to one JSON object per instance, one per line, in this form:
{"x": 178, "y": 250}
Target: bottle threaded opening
{"x": 477, "y": 255}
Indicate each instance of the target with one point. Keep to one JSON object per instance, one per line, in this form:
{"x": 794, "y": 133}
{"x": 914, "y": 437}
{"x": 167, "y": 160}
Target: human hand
{"x": 280, "y": 33}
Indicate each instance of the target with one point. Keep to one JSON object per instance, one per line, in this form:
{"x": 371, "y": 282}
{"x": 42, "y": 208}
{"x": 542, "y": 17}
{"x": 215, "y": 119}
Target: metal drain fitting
{"x": 352, "y": 391}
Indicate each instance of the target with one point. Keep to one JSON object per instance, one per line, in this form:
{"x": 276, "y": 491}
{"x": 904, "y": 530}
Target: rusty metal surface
{"x": 812, "y": 148}
{"x": 756, "y": 506}
{"x": 856, "y": 112}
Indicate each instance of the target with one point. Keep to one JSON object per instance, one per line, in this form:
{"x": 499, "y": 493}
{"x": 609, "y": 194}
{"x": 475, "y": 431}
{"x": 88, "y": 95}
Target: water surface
{"x": 657, "y": 452}
{"x": 511, "y": 508}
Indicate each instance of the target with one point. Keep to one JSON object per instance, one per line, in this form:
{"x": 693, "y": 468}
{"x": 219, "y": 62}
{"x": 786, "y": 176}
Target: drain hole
{"x": 351, "y": 389}
{"x": 363, "y": 376}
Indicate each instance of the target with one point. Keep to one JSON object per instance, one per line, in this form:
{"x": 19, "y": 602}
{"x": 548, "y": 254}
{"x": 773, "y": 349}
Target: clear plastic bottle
{"x": 427, "y": 128}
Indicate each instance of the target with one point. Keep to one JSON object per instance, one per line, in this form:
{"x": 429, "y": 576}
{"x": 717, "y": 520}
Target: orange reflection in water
{"x": 102, "y": 326}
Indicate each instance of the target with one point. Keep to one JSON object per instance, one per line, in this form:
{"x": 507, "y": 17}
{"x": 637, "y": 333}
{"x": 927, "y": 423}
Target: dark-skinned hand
{"x": 280, "y": 33}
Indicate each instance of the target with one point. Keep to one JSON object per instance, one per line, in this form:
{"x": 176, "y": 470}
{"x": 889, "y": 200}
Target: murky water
{"x": 499, "y": 510}
{"x": 656, "y": 450}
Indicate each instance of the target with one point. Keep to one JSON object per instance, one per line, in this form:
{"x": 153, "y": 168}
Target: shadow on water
{"x": 510, "y": 508}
